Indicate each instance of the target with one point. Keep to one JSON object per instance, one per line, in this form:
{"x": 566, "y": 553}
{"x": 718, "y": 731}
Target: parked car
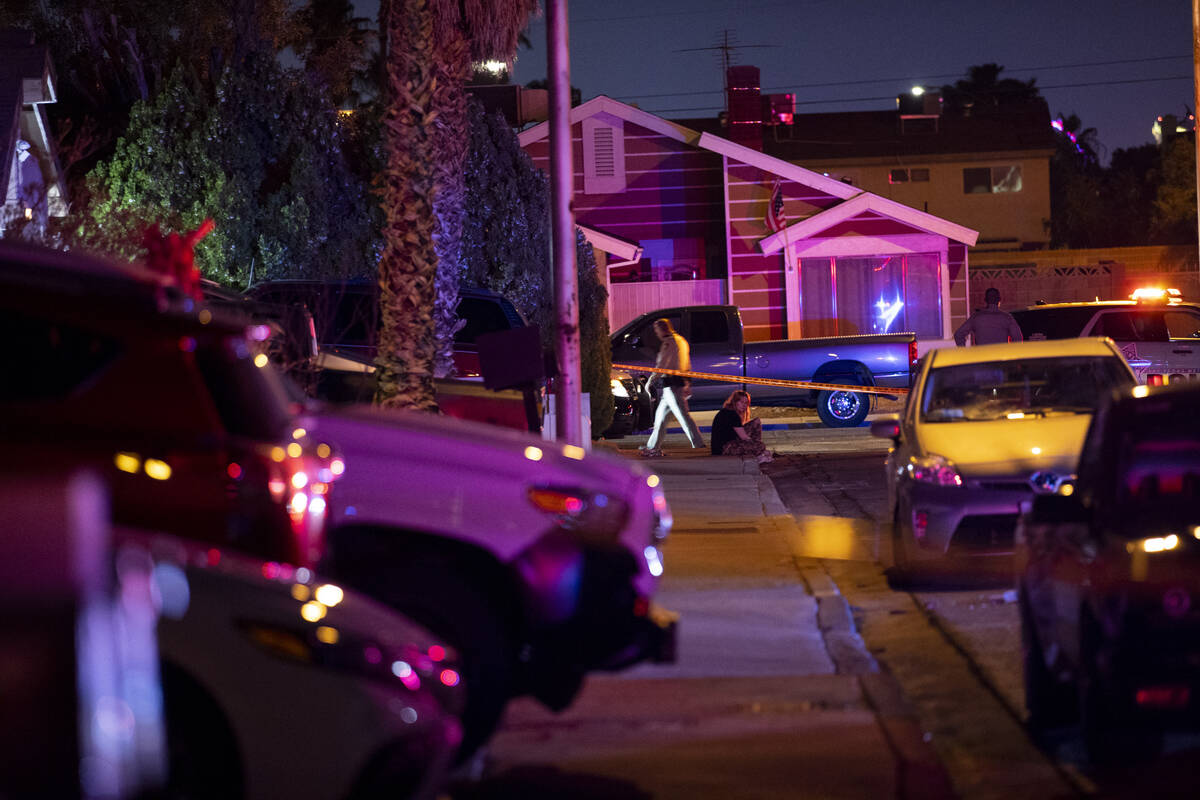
{"x": 634, "y": 405}
{"x": 279, "y": 684}
{"x": 538, "y": 561}
{"x": 346, "y": 317}
{"x": 984, "y": 429}
{"x": 1156, "y": 331}
{"x": 1108, "y": 573}
{"x": 718, "y": 346}
{"x": 112, "y": 368}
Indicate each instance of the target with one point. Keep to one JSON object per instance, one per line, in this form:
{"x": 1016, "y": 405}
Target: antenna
{"x": 726, "y": 48}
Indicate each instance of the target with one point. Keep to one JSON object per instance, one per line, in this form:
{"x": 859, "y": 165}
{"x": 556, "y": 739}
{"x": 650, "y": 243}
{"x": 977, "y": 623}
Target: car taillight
{"x": 912, "y": 353}
{"x": 1156, "y": 380}
{"x": 583, "y": 511}
{"x": 1163, "y": 696}
{"x": 300, "y": 475}
{"x": 920, "y": 525}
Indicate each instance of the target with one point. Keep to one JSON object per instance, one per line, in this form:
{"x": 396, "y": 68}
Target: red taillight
{"x": 1164, "y": 696}
{"x": 1156, "y": 380}
{"x": 920, "y": 524}
{"x": 912, "y": 353}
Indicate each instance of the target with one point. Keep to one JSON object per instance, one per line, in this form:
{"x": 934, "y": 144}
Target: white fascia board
{"x": 865, "y": 201}
{"x": 777, "y": 166}
{"x": 602, "y": 104}
{"x": 621, "y": 248}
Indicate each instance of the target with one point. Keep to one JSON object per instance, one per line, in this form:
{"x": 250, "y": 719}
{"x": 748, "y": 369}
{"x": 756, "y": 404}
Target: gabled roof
{"x": 600, "y": 104}
{"x": 865, "y": 202}
{"x": 856, "y": 200}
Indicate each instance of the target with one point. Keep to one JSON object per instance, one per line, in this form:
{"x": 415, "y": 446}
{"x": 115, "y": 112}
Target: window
{"x": 909, "y": 175}
{"x": 1131, "y": 326}
{"x": 991, "y": 180}
{"x": 49, "y": 360}
{"x": 1183, "y": 324}
{"x": 1053, "y": 323}
{"x": 708, "y": 327}
{"x": 878, "y": 294}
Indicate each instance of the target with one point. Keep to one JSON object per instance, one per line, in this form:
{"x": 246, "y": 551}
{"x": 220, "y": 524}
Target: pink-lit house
{"x": 679, "y": 217}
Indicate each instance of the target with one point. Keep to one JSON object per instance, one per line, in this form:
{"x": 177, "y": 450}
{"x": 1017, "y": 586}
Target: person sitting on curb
{"x": 735, "y": 434}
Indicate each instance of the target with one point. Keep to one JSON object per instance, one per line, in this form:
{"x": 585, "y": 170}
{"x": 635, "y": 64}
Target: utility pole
{"x": 1196, "y": 113}
{"x": 568, "y": 405}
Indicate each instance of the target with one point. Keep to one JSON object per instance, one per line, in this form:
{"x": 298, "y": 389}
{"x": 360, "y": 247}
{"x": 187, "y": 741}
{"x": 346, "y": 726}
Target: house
{"x": 679, "y": 216}
{"x": 987, "y": 169}
{"x": 30, "y": 178}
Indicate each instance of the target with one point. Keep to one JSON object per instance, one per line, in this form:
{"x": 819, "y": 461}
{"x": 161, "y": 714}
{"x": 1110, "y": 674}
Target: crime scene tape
{"x": 709, "y": 376}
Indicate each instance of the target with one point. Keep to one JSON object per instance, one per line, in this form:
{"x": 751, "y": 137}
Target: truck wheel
{"x": 843, "y": 409}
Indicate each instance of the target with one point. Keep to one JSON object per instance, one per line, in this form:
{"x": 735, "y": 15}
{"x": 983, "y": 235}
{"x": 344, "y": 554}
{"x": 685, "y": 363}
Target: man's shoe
{"x": 648, "y": 452}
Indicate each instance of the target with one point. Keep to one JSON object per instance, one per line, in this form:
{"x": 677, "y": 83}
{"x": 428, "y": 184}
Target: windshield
{"x": 1037, "y": 386}
{"x": 1161, "y": 480}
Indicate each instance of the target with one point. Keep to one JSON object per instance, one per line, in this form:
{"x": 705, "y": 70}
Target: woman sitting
{"x": 734, "y": 433}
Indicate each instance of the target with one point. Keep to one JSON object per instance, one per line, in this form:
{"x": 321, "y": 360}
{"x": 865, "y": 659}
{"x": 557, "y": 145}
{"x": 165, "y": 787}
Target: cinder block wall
{"x": 1025, "y": 277}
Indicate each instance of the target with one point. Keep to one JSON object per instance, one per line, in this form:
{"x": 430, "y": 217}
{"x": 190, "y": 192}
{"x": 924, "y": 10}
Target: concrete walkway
{"x": 773, "y": 696}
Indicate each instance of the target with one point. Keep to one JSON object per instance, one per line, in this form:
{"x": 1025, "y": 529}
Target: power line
{"x": 925, "y": 77}
{"x": 893, "y": 97}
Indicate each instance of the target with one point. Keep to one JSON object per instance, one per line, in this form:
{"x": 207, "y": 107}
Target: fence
{"x": 629, "y": 300}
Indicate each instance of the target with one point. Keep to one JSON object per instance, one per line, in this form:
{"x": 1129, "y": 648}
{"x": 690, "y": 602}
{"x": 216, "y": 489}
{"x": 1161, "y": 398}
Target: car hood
{"x": 1008, "y": 446}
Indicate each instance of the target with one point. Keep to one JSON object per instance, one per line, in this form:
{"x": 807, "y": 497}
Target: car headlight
{"x": 618, "y": 388}
{"x": 934, "y": 469}
{"x": 580, "y": 510}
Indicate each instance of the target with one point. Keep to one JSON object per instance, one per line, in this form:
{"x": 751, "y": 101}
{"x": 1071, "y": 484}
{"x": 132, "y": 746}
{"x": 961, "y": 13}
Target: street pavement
{"x": 773, "y": 696}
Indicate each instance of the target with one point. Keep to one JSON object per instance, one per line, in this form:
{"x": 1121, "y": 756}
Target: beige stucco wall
{"x": 1004, "y": 220}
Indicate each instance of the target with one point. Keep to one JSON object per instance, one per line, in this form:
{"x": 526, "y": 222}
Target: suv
{"x": 113, "y": 367}
{"x": 536, "y": 560}
{"x": 1157, "y": 332}
{"x": 1108, "y": 581}
{"x": 346, "y": 315}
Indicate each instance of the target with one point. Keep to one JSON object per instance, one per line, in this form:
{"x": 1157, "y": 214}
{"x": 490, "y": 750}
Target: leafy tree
{"x": 506, "y": 248}
{"x": 335, "y": 47}
{"x": 983, "y": 91}
{"x": 262, "y": 157}
{"x": 1174, "y": 219}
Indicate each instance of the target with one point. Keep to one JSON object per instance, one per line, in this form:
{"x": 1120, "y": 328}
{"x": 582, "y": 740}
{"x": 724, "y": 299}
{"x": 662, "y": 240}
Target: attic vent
{"x": 603, "y": 155}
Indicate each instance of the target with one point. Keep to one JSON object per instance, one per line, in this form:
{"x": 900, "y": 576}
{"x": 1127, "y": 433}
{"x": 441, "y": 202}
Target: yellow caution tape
{"x": 709, "y": 376}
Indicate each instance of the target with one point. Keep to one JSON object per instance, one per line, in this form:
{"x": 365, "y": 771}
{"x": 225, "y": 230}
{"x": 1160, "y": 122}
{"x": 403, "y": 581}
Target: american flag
{"x": 775, "y": 219}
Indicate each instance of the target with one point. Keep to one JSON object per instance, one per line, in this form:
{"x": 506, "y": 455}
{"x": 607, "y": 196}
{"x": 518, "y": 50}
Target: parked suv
{"x": 1157, "y": 332}
{"x": 112, "y": 367}
{"x": 1108, "y": 575}
{"x": 346, "y": 316}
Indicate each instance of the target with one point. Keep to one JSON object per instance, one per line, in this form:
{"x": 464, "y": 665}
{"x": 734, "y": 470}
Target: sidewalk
{"x": 773, "y": 695}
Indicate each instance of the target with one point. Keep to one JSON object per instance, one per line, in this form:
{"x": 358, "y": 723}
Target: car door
{"x": 639, "y": 345}
{"x": 716, "y": 347}
{"x": 1183, "y": 331}
{"x": 1141, "y": 335}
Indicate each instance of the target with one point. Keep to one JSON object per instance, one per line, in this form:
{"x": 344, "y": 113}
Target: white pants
{"x": 673, "y": 401}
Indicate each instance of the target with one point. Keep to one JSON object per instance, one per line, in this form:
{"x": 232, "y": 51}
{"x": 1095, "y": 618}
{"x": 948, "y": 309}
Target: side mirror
{"x": 633, "y": 340}
{"x": 1057, "y": 509}
{"x": 887, "y": 427}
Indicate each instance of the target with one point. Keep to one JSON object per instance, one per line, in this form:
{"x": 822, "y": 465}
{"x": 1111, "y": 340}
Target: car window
{"x": 48, "y": 359}
{"x": 708, "y": 327}
{"x": 1131, "y": 326}
{"x": 999, "y": 389}
{"x": 481, "y": 315}
{"x": 1053, "y": 323}
{"x": 250, "y": 398}
{"x": 1182, "y": 324}
{"x": 1159, "y": 478}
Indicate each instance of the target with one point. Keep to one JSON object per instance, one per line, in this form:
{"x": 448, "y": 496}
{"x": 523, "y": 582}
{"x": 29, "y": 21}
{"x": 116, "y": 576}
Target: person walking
{"x": 673, "y": 353}
{"x": 989, "y": 325}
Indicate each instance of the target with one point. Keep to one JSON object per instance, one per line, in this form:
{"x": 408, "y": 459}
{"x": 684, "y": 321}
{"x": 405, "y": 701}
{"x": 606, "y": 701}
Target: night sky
{"x": 1117, "y": 64}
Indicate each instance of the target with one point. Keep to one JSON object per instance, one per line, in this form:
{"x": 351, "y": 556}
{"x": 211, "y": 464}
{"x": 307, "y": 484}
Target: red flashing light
{"x": 234, "y": 470}
{"x": 213, "y": 557}
{"x": 437, "y": 652}
{"x": 449, "y": 677}
{"x": 1156, "y": 380}
{"x": 913, "y": 358}
{"x": 1164, "y": 696}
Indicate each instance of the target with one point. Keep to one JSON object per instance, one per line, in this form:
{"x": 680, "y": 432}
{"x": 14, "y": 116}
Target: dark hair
{"x": 664, "y": 322}
{"x": 992, "y": 296}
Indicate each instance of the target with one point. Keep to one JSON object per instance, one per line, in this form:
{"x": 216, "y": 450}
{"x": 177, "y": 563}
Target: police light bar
{"x": 1154, "y": 294}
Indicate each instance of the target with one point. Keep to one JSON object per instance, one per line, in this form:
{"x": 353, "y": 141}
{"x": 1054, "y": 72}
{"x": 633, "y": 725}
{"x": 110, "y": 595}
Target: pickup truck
{"x": 718, "y": 346}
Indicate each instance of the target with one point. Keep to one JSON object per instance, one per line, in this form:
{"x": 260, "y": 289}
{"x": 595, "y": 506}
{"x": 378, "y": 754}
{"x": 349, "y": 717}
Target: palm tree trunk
{"x": 408, "y": 266}
{"x": 452, "y": 68}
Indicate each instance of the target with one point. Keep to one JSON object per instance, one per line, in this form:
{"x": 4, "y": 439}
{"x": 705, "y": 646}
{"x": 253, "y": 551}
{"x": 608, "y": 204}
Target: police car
{"x": 1156, "y": 330}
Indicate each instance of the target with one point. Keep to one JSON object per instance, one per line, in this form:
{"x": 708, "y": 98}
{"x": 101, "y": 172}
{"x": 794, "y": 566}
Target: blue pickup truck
{"x": 718, "y": 346}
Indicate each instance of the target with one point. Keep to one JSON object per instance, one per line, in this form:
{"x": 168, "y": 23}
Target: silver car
{"x": 984, "y": 429}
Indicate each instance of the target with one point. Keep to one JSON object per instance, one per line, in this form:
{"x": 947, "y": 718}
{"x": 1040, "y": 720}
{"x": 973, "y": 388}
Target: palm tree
{"x": 429, "y": 46}
{"x": 984, "y": 91}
